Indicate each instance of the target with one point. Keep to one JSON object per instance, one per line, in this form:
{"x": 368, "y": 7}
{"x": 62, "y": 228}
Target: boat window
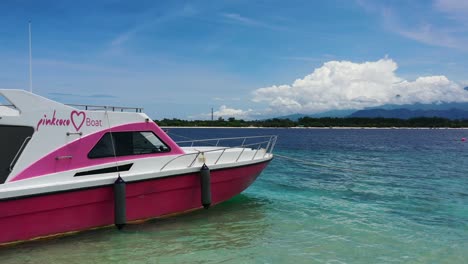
{"x": 128, "y": 143}
{"x": 13, "y": 140}
{"x": 3, "y": 100}
{"x": 6, "y": 108}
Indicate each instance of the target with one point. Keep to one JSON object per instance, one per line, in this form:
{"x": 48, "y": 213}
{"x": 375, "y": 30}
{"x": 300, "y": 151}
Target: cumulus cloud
{"x": 339, "y": 85}
{"x": 226, "y": 112}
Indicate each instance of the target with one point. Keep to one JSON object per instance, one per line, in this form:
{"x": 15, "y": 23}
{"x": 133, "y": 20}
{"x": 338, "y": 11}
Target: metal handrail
{"x": 220, "y": 155}
{"x": 231, "y": 138}
{"x": 270, "y": 143}
{"x": 189, "y": 154}
{"x": 108, "y": 108}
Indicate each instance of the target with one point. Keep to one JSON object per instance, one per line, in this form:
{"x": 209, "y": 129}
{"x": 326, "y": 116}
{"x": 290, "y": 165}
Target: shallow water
{"x": 382, "y": 196}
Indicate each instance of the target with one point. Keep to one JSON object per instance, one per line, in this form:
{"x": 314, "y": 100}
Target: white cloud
{"x": 226, "y": 112}
{"x": 427, "y": 32}
{"x": 149, "y": 19}
{"x": 347, "y": 85}
{"x": 425, "y": 25}
{"x": 242, "y": 20}
{"x": 454, "y": 7}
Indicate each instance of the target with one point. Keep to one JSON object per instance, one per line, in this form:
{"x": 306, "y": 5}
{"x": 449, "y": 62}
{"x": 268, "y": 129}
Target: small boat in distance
{"x": 70, "y": 168}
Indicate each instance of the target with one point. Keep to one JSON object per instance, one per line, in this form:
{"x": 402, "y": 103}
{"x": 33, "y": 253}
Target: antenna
{"x": 30, "y": 58}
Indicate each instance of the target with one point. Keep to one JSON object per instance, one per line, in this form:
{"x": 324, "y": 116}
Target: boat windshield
{"x": 128, "y": 143}
{"x": 6, "y": 108}
{"x": 13, "y": 140}
{"x": 3, "y": 100}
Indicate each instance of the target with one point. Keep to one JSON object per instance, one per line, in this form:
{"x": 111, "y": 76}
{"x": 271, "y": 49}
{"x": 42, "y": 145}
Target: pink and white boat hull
{"x": 59, "y": 165}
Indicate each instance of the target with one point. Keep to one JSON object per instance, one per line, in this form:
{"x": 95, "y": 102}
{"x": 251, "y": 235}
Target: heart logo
{"x": 77, "y": 119}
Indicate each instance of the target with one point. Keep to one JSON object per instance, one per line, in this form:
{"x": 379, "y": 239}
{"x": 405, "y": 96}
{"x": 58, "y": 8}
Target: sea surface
{"x": 329, "y": 196}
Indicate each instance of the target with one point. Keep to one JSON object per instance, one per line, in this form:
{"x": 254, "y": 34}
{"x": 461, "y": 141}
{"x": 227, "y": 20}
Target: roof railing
{"x": 107, "y": 108}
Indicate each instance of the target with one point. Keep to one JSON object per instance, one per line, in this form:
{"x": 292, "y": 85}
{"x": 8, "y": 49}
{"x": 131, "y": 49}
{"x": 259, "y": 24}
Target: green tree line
{"x": 429, "y": 122}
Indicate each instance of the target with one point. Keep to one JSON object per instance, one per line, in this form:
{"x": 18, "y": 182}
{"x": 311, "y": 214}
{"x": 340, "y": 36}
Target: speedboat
{"x": 67, "y": 168}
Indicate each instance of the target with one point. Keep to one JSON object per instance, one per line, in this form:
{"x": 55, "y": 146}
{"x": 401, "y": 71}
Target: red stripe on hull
{"x": 27, "y": 218}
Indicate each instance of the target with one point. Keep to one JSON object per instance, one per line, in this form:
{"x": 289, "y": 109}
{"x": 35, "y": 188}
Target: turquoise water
{"x": 397, "y": 196}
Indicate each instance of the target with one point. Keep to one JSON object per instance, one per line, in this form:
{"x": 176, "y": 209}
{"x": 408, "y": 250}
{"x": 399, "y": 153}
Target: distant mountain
{"x": 442, "y": 109}
{"x": 418, "y": 106}
{"x": 293, "y": 117}
{"x": 332, "y": 113}
{"x": 403, "y": 113}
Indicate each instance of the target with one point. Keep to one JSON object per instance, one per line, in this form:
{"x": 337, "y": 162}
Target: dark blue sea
{"x": 329, "y": 196}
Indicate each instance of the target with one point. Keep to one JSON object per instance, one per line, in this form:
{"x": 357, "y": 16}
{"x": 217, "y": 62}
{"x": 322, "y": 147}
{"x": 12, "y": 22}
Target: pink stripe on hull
{"x": 30, "y": 217}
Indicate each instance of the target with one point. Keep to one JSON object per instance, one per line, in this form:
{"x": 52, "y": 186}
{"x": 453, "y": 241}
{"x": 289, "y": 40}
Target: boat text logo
{"x": 77, "y": 119}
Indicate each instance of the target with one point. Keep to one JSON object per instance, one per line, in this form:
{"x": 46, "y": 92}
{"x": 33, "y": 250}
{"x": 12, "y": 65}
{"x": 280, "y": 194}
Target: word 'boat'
{"x": 69, "y": 168}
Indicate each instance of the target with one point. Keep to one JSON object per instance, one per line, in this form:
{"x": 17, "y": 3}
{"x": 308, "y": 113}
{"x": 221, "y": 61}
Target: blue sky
{"x": 243, "y": 58}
